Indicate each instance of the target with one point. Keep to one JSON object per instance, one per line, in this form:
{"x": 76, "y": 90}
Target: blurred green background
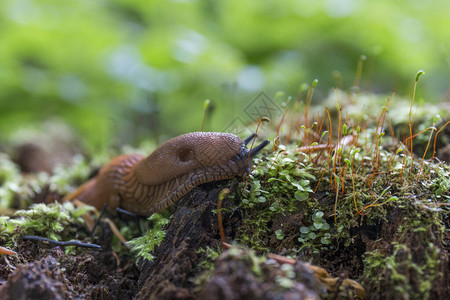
{"x": 122, "y": 71}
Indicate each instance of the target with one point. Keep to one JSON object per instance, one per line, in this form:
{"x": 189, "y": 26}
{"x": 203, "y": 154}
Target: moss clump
{"x": 20, "y": 191}
{"x": 368, "y": 207}
{"x": 316, "y": 235}
{"x": 10, "y": 181}
{"x": 55, "y": 221}
{"x": 285, "y": 189}
{"x": 210, "y": 256}
{"x": 400, "y": 274}
{"x": 413, "y": 260}
{"x": 64, "y": 176}
{"x": 144, "y": 245}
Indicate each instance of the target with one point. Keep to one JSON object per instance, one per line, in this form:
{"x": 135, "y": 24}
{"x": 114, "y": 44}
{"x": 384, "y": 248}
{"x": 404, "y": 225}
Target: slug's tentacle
{"x": 147, "y": 185}
{"x": 258, "y": 148}
{"x": 247, "y": 140}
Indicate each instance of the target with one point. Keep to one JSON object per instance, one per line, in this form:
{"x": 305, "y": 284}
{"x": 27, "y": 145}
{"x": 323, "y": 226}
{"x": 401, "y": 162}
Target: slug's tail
{"x": 86, "y": 193}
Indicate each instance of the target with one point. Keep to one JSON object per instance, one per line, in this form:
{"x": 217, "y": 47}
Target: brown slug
{"x": 144, "y": 185}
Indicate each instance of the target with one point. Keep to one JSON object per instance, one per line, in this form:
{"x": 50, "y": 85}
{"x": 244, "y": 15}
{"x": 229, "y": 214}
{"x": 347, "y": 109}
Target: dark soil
{"x": 48, "y": 273}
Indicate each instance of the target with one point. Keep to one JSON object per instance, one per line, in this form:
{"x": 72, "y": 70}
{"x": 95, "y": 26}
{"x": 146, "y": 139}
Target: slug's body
{"x": 144, "y": 185}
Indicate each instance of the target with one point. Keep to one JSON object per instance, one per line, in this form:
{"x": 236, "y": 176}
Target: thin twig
{"x": 61, "y": 243}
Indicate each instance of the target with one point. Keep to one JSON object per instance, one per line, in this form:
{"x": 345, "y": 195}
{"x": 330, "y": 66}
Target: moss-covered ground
{"x": 340, "y": 189}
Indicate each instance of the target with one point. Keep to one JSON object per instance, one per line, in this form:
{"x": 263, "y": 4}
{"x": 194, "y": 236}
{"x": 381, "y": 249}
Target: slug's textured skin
{"x": 144, "y": 185}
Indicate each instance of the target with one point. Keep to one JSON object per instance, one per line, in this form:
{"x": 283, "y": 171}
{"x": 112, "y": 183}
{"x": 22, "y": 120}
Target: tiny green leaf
{"x": 301, "y": 195}
{"x": 318, "y": 225}
{"x": 304, "y": 229}
{"x": 325, "y": 241}
{"x": 279, "y": 234}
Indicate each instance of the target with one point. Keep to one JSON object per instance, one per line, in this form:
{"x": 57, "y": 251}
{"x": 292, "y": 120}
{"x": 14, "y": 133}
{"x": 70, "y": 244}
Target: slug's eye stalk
{"x": 246, "y": 155}
{"x": 247, "y": 140}
{"x": 258, "y": 148}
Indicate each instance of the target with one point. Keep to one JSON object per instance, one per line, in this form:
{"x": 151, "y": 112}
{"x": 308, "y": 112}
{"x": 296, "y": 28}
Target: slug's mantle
{"x": 144, "y": 185}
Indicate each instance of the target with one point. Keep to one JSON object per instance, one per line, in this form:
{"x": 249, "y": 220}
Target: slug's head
{"x": 243, "y": 159}
{"x": 193, "y": 151}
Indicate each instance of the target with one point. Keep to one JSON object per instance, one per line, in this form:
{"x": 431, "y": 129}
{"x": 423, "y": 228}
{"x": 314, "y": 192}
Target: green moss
{"x": 338, "y": 195}
{"x": 210, "y": 257}
{"x": 248, "y": 256}
{"x": 55, "y": 221}
{"x": 144, "y": 245}
{"x": 402, "y": 272}
{"x": 64, "y": 177}
{"x": 10, "y": 180}
{"x": 14, "y": 186}
{"x": 316, "y": 235}
{"x": 286, "y": 279}
{"x": 285, "y": 189}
